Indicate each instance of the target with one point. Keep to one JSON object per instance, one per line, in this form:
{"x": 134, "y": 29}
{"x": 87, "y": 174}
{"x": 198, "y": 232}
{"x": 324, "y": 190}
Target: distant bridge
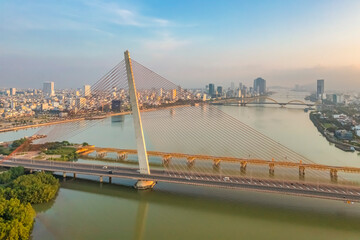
{"x": 261, "y": 100}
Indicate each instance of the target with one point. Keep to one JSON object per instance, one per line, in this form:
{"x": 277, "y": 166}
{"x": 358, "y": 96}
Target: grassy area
{"x": 66, "y": 151}
{"x": 328, "y": 125}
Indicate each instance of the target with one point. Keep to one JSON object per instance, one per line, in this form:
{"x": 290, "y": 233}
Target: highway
{"x": 318, "y": 190}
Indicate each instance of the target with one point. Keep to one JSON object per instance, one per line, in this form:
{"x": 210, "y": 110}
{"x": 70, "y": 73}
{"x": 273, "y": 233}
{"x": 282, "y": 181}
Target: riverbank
{"x": 340, "y": 145}
{"x": 3, "y": 130}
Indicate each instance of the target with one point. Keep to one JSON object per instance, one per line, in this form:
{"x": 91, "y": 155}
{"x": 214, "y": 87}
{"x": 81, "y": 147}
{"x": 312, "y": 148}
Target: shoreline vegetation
{"x": 18, "y": 190}
{"x": 322, "y": 129}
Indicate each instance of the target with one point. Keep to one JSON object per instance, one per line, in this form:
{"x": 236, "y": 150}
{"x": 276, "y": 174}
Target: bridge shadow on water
{"x": 299, "y": 211}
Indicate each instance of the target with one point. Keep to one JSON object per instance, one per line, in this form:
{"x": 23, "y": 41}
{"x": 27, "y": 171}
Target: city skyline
{"x": 74, "y": 43}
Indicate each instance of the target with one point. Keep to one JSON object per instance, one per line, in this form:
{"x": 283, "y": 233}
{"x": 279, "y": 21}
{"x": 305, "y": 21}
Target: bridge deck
{"x": 319, "y": 190}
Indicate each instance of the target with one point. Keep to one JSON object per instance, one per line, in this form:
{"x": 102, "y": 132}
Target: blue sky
{"x": 191, "y": 43}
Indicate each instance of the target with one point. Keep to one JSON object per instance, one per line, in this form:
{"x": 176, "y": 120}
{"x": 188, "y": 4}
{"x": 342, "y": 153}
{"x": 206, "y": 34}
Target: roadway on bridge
{"x": 330, "y": 191}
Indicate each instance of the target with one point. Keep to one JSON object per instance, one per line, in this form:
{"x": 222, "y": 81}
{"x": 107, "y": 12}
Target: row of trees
{"x": 16, "y": 212}
{"x": 11, "y": 174}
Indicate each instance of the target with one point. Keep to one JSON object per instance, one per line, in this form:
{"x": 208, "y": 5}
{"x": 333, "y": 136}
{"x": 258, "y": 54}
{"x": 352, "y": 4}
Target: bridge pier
{"x": 144, "y": 184}
{"x": 243, "y": 165}
{"x": 333, "y": 175}
{"x": 122, "y": 156}
{"x": 216, "y": 164}
{"x": 75, "y": 175}
{"x": 301, "y": 172}
{"x": 101, "y": 154}
{"x": 110, "y": 179}
{"x": 64, "y": 174}
{"x": 166, "y": 161}
{"x": 31, "y": 171}
{"x": 190, "y": 162}
{"x": 101, "y": 179}
{"x": 271, "y": 169}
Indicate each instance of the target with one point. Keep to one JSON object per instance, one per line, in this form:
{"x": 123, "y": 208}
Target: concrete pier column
{"x": 216, "y": 164}
{"x": 110, "y": 179}
{"x": 166, "y": 160}
{"x": 64, "y": 174}
{"x": 271, "y": 169}
{"x": 31, "y": 171}
{"x": 74, "y": 175}
{"x": 101, "y": 154}
{"x": 190, "y": 162}
{"x": 243, "y": 165}
{"x": 301, "y": 172}
{"x": 333, "y": 175}
{"x": 101, "y": 179}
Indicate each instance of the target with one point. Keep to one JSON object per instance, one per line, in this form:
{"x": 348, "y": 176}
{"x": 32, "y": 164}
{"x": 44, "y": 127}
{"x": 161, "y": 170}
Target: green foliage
{"x": 16, "y": 219}
{"x": 5, "y": 151}
{"x": 61, "y": 148}
{"x": 17, "y": 143}
{"x": 34, "y": 188}
{"x": 85, "y": 144}
{"x": 11, "y": 174}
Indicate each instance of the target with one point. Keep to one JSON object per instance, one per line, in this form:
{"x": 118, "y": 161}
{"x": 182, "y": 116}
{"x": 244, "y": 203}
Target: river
{"x": 86, "y": 209}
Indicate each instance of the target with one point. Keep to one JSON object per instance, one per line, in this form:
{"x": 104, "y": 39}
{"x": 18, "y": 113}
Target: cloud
{"x": 164, "y": 42}
{"x": 125, "y": 16}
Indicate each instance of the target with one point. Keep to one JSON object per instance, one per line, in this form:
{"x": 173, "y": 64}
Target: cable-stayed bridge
{"x": 179, "y": 139}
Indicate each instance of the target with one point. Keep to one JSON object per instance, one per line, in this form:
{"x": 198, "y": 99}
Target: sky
{"x": 190, "y": 42}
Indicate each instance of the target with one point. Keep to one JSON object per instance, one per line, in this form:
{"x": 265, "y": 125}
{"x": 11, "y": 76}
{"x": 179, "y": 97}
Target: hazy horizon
{"x": 190, "y": 43}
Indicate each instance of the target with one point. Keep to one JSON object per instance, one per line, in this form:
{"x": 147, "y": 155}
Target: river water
{"x": 86, "y": 209}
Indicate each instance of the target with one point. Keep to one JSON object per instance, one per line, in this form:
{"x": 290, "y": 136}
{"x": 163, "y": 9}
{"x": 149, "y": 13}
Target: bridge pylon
{"x": 139, "y": 134}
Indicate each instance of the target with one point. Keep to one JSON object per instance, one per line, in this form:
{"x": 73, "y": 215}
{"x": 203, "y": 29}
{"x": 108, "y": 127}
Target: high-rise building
{"x": 173, "y": 94}
{"x": 80, "y": 102}
{"x": 116, "y": 105}
{"x": 259, "y": 86}
{"x": 160, "y": 92}
{"x": 12, "y": 91}
{"x": 49, "y": 88}
{"x": 212, "y": 92}
{"x": 87, "y": 90}
{"x": 320, "y": 89}
{"x": 220, "y": 91}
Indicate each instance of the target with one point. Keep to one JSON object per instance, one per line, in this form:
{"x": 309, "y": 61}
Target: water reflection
{"x": 140, "y": 225}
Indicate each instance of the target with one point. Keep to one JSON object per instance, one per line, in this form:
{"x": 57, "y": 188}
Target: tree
{"x": 11, "y": 174}
{"x": 34, "y": 188}
{"x": 16, "y": 219}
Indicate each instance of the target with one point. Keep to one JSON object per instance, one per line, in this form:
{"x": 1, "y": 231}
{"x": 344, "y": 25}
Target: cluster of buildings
{"x": 27, "y": 103}
{"x": 334, "y": 98}
{"x": 33, "y": 102}
{"x": 22, "y": 103}
{"x": 258, "y": 88}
